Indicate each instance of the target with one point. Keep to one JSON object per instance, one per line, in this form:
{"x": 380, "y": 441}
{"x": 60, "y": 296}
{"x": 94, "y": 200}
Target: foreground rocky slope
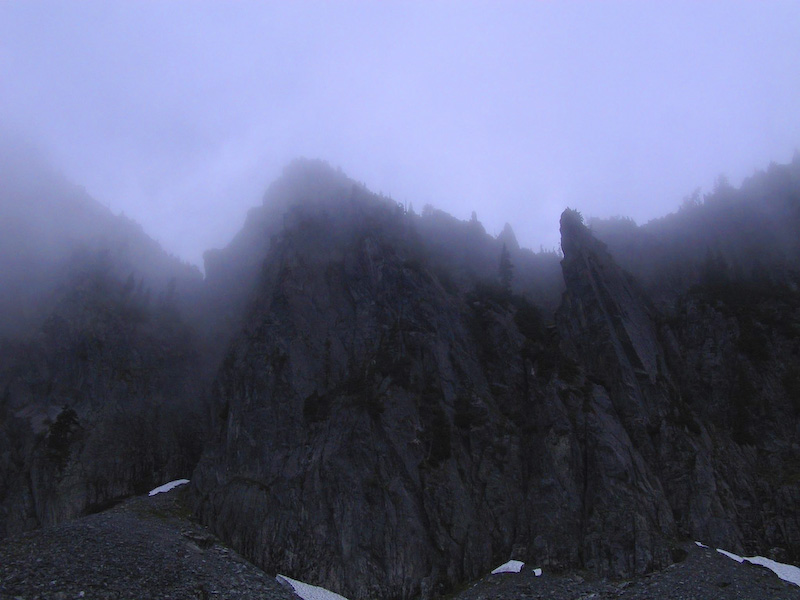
{"x": 146, "y": 547}
{"x": 149, "y": 547}
{"x": 704, "y": 574}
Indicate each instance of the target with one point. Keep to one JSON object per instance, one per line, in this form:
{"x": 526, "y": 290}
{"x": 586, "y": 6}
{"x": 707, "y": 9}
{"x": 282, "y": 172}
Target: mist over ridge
{"x": 180, "y": 118}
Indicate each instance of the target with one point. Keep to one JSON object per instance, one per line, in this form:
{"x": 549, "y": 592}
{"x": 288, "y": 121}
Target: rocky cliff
{"x": 388, "y": 433}
{"x": 389, "y": 404}
{"x": 702, "y": 454}
{"x": 366, "y": 422}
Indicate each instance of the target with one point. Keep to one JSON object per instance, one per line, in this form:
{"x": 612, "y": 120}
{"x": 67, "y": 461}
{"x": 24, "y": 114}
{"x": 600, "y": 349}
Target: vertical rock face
{"x": 391, "y": 415}
{"x": 382, "y": 431}
{"x": 671, "y": 409}
{"x": 634, "y": 453}
{"x": 604, "y": 310}
{"x": 385, "y": 434}
{"x": 361, "y": 444}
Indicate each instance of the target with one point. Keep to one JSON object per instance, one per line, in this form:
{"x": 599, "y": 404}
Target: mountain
{"x": 100, "y": 354}
{"x": 50, "y": 227}
{"x": 401, "y": 424}
{"x": 390, "y": 404}
{"x": 747, "y": 234}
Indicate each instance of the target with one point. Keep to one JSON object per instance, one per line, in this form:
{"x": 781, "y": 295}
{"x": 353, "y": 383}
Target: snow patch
{"x": 786, "y": 572}
{"x": 735, "y": 557}
{"x": 308, "y": 591}
{"x": 512, "y": 566}
{"x": 167, "y": 486}
{"x": 701, "y": 545}
{"x": 537, "y": 572}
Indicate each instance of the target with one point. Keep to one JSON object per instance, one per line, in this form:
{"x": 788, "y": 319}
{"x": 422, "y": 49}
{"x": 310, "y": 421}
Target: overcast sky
{"x": 181, "y": 113}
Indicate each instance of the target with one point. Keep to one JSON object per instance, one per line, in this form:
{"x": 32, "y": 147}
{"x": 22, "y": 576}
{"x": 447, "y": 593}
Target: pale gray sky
{"x": 181, "y": 113}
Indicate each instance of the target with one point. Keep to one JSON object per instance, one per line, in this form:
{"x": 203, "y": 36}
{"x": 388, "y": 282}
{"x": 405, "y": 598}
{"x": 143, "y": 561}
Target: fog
{"x": 179, "y": 114}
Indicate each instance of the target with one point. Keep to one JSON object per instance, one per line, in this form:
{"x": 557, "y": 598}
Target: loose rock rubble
{"x": 704, "y": 575}
{"x": 144, "y": 548}
{"x": 149, "y": 547}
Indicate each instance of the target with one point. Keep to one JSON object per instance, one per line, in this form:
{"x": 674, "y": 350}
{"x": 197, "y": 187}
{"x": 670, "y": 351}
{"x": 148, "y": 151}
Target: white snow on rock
{"x": 167, "y": 486}
{"x": 537, "y": 572}
{"x": 786, "y": 572}
{"x": 309, "y": 592}
{"x": 512, "y": 566}
{"x": 701, "y": 545}
{"x": 735, "y": 557}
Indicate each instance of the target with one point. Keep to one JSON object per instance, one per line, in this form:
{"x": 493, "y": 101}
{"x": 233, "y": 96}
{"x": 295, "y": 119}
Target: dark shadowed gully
{"x": 389, "y": 403}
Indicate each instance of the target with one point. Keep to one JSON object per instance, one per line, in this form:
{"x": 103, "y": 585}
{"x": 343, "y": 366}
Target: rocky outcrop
{"x": 385, "y": 434}
{"x": 233, "y": 272}
{"x": 638, "y": 450}
{"x": 695, "y": 460}
{"x": 393, "y": 413}
{"x": 363, "y": 442}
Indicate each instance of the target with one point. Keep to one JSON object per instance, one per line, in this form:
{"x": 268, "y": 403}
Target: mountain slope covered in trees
{"x": 101, "y": 359}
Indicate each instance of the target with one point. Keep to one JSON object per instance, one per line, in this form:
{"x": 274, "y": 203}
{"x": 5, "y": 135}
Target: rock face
{"x": 364, "y": 441}
{"x": 395, "y": 411}
{"x": 386, "y": 434}
{"x": 104, "y": 403}
{"x": 698, "y": 445}
{"x": 642, "y": 464}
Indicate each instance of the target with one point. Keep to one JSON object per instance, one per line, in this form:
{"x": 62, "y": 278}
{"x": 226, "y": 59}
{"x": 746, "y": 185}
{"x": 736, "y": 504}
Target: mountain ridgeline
{"x": 389, "y": 404}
